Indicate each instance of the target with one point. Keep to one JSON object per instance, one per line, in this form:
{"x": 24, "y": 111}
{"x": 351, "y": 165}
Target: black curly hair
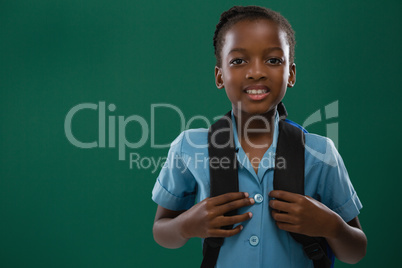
{"x": 239, "y": 13}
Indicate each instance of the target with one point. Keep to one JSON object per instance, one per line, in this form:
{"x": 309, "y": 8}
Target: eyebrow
{"x": 265, "y": 50}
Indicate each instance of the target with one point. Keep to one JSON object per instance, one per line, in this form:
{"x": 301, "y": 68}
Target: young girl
{"x": 254, "y": 49}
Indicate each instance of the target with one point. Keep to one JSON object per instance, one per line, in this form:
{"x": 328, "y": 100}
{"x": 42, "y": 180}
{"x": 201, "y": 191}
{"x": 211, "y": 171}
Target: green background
{"x": 63, "y": 206}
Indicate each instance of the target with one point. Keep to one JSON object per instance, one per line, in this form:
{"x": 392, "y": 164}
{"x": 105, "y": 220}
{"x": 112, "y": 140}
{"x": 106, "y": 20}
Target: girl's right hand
{"x": 206, "y": 218}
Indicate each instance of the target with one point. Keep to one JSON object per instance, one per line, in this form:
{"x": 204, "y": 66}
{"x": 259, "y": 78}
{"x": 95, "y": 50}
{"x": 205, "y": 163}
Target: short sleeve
{"x": 175, "y": 186}
{"x": 335, "y": 189}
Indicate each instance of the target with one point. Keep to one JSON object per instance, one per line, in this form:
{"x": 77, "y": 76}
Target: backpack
{"x": 290, "y": 146}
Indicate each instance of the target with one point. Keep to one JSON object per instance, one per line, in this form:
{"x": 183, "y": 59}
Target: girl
{"x": 254, "y": 49}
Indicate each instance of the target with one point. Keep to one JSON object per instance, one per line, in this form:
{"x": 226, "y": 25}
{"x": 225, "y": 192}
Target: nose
{"x": 256, "y": 71}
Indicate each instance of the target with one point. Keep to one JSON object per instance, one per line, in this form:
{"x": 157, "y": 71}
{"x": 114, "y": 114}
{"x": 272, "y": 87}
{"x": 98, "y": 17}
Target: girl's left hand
{"x": 302, "y": 214}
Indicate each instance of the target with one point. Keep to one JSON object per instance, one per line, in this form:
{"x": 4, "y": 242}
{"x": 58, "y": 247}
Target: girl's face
{"x": 255, "y": 69}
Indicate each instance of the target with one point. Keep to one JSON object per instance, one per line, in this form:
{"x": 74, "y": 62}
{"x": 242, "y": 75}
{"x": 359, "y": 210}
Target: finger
{"x": 281, "y": 205}
{"x": 285, "y": 196}
{"x": 228, "y": 197}
{"x": 288, "y": 227}
{"x": 222, "y": 209}
{"x": 225, "y": 233}
{"x": 231, "y": 220}
{"x": 282, "y": 217}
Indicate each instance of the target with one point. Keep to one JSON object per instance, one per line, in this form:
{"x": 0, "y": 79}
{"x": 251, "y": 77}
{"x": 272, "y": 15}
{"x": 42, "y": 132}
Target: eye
{"x": 275, "y": 61}
{"x": 236, "y": 61}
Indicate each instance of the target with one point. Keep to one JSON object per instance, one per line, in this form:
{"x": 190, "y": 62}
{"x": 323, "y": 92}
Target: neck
{"x": 255, "y": 126}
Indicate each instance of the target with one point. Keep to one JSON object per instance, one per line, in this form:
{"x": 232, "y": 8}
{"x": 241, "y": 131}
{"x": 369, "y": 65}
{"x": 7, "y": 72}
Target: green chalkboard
{"x": 81, "y": 82}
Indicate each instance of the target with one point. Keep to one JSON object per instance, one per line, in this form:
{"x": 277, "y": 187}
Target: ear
{"x": 292, "y": 75}
{"x": 218, "y": 78}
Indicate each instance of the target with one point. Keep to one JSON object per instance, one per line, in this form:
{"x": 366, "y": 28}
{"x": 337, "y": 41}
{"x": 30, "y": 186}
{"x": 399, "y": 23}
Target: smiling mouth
{"x": 257, "y": 92}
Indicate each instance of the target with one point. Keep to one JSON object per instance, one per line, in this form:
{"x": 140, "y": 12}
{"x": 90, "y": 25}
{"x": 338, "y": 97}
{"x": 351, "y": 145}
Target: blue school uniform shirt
{"x": 184, "y": 180}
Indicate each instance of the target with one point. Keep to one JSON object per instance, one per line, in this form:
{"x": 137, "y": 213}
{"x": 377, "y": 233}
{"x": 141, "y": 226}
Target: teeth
{"x": 256, "y": 91}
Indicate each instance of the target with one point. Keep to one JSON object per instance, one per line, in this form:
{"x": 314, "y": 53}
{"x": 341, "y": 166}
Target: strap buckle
{"x": 314, "y": 251}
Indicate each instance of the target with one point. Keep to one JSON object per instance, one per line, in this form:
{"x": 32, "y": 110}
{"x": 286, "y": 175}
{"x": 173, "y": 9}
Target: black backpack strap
{"x": 289, "y": 176}
{"x": 223, "y": 179}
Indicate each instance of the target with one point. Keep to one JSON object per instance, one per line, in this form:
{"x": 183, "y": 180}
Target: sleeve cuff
{"x": 350, "y": 209}
{"x": 164, "y": 198}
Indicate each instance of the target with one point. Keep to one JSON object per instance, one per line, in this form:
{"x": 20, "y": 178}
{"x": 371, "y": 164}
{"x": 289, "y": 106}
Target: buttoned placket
{"x": 261, "y": 206}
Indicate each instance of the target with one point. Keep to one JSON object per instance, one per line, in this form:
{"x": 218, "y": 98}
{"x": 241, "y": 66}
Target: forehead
{"x": 255, "y": 35}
